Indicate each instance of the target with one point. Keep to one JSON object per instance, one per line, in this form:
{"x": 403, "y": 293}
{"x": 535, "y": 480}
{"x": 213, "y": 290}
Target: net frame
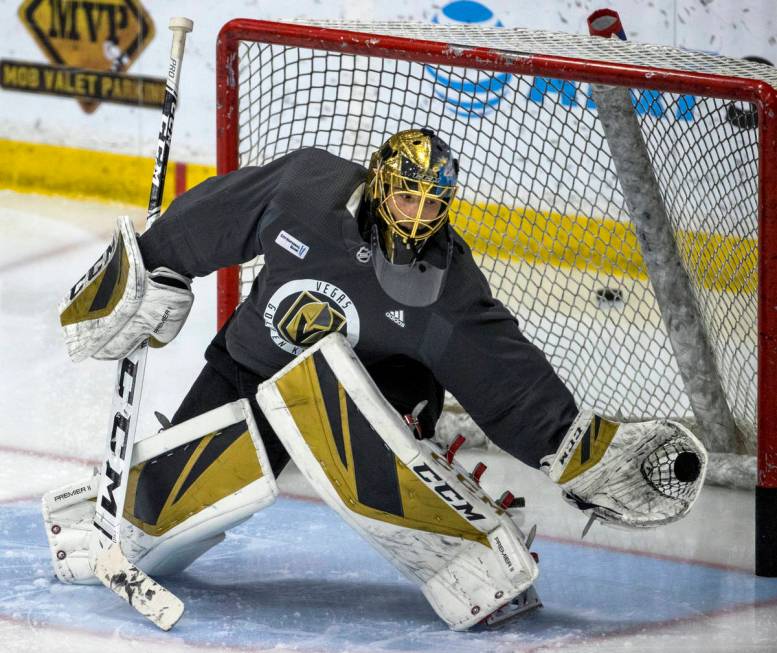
{"x": 610, "y": 63}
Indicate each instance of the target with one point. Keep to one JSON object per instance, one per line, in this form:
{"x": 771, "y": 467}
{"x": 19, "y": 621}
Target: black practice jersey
{"x": 318, "y": 278}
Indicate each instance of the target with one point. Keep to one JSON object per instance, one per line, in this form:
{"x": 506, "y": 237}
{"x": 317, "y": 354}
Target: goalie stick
{"x": 110, "y": 565}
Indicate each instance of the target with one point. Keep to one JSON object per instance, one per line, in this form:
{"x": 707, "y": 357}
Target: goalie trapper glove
{"x": 634, "y": 475}
{"x": 118, "y": 304}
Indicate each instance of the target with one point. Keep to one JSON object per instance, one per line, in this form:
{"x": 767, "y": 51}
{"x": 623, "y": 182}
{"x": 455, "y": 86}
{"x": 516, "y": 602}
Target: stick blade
{"x": 141, "y": 591}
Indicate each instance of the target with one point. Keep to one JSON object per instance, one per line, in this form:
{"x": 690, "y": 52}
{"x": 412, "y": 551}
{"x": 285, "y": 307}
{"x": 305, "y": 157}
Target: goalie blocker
{"x": 422, "y": 513}
{"x": 118, "y": 304}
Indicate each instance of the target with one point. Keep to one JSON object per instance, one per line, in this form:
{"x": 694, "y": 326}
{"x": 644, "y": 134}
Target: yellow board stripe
{"x": 56, "y": 170}
{"x": 599, "y": 245}
{"x": 595, "y": 245}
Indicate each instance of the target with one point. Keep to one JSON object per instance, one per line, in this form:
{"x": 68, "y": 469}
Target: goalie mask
{"x": 411, "y": 183}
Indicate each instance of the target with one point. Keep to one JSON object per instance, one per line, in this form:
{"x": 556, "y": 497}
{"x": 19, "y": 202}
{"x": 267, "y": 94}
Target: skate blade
{"x": 521, "y": 604}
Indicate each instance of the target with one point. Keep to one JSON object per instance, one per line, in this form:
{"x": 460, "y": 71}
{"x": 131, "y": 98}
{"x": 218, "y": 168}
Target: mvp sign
{"x": 82, "y": 37}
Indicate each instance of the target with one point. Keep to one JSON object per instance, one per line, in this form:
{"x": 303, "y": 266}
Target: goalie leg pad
{"x": 634, "y": 475}
{"x": 117, "y": 304}
{"x": 185, "y": 489}
{"x": 426, "y": 516}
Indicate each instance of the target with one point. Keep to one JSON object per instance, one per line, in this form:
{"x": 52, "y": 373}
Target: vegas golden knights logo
{"x": 301, "y": 312}
{"x": 308, "y": 320}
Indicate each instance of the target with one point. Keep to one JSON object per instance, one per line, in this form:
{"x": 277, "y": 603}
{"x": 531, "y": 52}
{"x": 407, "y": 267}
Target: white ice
{"x": 294, "y": 577}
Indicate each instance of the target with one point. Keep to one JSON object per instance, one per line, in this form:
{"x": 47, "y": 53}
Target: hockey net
{"x": 540, "y": 202}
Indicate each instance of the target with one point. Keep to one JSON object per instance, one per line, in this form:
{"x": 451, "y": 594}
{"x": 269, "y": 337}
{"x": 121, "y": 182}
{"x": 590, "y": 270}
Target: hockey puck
{"x": 607, "y": 298}
{"x": 744, "y": 115}
{"x": 687, "y": 467}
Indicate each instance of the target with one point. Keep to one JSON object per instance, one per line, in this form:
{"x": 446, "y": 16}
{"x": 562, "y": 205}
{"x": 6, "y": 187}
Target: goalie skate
{"x": 528, "y": 600}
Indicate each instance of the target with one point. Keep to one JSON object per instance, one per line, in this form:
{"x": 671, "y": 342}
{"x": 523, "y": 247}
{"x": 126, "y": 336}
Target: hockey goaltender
{"x": 368, "y": 307}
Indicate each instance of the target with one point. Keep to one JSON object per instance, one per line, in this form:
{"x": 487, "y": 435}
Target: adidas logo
{"x": 397, "y": 317}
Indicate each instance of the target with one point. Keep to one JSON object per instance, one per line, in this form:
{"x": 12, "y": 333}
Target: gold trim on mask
{"x": 387, "y": 178}
{"x": 413, "y": 227}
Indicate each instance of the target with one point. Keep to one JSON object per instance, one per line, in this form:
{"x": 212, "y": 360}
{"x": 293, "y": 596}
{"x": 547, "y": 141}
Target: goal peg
{"x": 606, "y": 23}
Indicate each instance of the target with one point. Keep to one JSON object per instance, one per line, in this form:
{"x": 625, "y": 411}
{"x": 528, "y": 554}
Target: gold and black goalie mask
{"x": 411, "y": 183}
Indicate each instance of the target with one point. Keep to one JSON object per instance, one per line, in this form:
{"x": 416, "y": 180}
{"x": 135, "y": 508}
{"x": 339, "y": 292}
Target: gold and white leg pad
{"x": 425, "y": 515}
{"x": 188, "y": 484}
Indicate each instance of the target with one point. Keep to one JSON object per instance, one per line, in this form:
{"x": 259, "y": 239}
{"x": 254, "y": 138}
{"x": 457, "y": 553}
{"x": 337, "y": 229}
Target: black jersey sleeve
{"x": 215, "y": 224}
{"x": 505, "y": 382}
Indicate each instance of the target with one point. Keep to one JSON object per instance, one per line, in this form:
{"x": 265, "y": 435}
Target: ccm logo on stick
{"x": 116, "y": 466}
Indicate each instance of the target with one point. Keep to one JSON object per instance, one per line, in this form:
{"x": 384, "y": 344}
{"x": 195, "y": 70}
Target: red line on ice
{"x": 49, "y": 455}
{"x": 42, "y": 256}
{"x": 642, "y": 628}
{"x": 646, "y": 554}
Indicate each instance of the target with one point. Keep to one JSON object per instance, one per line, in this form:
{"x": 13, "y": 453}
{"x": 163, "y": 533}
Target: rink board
{"x": 295, "y": 576}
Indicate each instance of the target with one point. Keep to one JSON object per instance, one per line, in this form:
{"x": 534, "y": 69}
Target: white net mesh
{"x": 540, "y": 203}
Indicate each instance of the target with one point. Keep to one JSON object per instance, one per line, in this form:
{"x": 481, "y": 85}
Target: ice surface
{"x": 296, "y": 576}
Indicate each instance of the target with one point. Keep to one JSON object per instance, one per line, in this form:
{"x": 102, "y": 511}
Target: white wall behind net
{"x": 732, "y": 27}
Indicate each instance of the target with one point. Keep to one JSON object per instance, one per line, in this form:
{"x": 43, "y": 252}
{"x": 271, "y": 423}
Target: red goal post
{"x": 517, "y": 53}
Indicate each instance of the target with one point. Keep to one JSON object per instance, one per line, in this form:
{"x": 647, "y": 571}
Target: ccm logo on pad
{"x": 291, "y": 244}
